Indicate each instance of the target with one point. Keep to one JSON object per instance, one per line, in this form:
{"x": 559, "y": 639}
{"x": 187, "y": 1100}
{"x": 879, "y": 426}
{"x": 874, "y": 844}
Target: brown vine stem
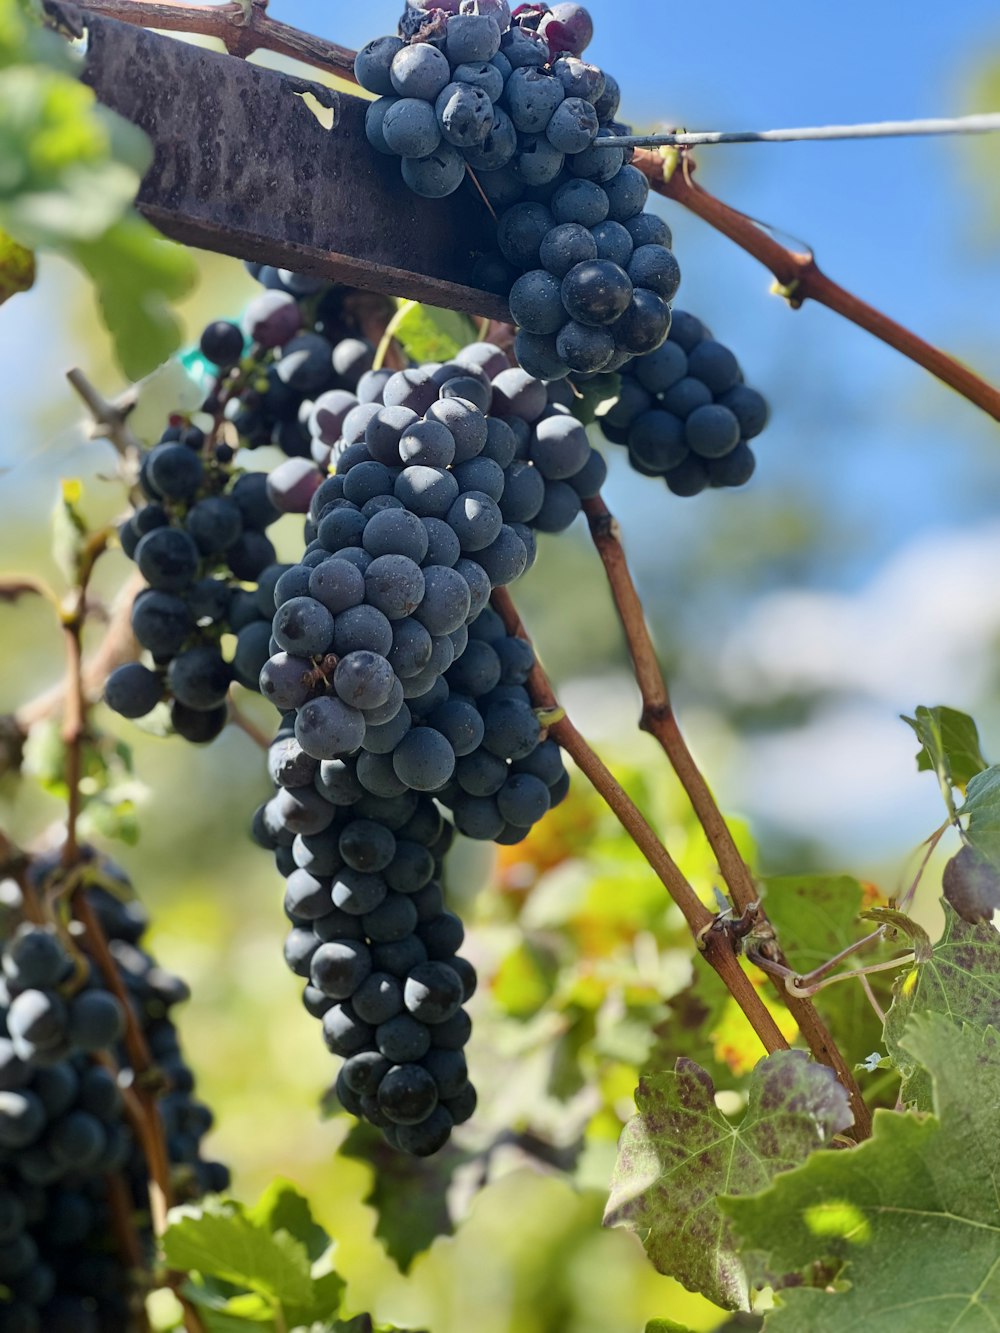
{"x": 716, "y": 944}
{"x": 659, "y": 720}
{"x": 242, "y": 30}
{"x": 801, "y": 279}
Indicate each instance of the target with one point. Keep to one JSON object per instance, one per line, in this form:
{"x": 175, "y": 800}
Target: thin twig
{"x": 74, "y": 727}
{"x": 117, "y": 646}
{"x": 903, "y": 960}
{"x": 714, "y": 943}
{"x": 881, "y": 129}
{"x": 801, "y": 279}
{"x": 659, "y": 720}
{"x": 931, "y": 844}
{"x": 241, "y": 32}
{"x": 807, "y": 978}
{"x": 110, "y": 422}
{"x": 866, "y": 986}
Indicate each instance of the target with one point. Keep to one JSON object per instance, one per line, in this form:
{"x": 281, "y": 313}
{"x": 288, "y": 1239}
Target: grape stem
{"x": 715, "y": 940}
{"x": 74, "y": 726}
{"x": 659, "y": 720}
{"x": 800, "y": 278}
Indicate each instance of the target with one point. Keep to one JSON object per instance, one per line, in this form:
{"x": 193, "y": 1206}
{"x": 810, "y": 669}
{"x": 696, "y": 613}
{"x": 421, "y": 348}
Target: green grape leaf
{"x": 901, "y": 1234}
{"x": 69, "y": 167}
{"x": 680, "y": 1152}
{"x": 282, "y": 1208}
{"x": 961, "y": 980}
{"x": 428, "y": 334}
{"x": 137, "y": 274}
{"x": 409, "y": 1194}
{"x": 982, "y": 805}
{"x": 219, "y": 1239}
{"x": 949, "y": 745}
{"x": 665, "y": 1326}
{"x": 817, "y": 916}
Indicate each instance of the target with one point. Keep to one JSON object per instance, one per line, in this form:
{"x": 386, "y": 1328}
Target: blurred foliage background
{"x": 852, "y": 580}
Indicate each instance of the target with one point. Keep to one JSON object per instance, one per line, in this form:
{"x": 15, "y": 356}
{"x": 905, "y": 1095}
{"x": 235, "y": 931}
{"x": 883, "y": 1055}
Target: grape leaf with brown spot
{"x": 961, "y": 980}
{"x": 680, "y": 1153}
{"x": 901, "y": 1234}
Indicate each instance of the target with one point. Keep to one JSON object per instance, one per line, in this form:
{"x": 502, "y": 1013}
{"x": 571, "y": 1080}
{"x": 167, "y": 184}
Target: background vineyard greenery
{"x": 859, "y": 509}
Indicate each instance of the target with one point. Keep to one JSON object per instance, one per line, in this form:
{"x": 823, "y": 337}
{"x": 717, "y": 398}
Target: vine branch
{"x": 801, "y": 279}
{"x": 241, "y": 30}
{"x": 659, "y": 720}
{"x": 715, "y": 941}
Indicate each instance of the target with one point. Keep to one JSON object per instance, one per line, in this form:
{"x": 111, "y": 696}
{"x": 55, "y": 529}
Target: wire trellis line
{"x": 881, "y": 129}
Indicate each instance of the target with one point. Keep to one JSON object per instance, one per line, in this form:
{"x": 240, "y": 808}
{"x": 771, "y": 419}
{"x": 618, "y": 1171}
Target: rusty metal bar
{"x": 243, "y": 166}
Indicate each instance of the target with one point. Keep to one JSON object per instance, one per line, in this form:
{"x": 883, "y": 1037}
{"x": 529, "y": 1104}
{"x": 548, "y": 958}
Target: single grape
{"x": 133, "y": 690}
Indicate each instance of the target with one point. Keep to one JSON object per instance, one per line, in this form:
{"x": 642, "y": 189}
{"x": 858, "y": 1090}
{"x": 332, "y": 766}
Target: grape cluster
{"x": 685, "y": 414}
{"x": 589, "y": 275}
{"x": 63, "y": 1131}
{"x": 372, "y": 938}
{"x": 442, "y": 477}
{"x": 403, "y": 695}
{"x": 201, "y": 536}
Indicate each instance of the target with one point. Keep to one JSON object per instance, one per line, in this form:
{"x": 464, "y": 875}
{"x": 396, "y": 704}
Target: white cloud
{"x": 919, "y": 632}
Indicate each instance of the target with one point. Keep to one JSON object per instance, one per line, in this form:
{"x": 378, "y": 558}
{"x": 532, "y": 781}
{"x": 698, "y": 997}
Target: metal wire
{"x": 883, "y": 129}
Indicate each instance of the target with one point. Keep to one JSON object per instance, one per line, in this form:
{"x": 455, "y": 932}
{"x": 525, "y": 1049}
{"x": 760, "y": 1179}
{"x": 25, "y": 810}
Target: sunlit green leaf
{"x": 428, "y": 334}
{"x": 218, "y": 1239}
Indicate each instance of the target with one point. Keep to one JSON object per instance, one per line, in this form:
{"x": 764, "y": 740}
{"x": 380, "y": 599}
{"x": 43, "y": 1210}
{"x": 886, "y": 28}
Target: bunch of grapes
{"x": 371, "y": 936}
{"x": 403, "y": 695}
{"x": 441, "y": 481}
{"x": 199, "y": 539}
{"x": 63, "y": 1130}
{"x": 589, "y": 275}
{"x": 685, "y": 414}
